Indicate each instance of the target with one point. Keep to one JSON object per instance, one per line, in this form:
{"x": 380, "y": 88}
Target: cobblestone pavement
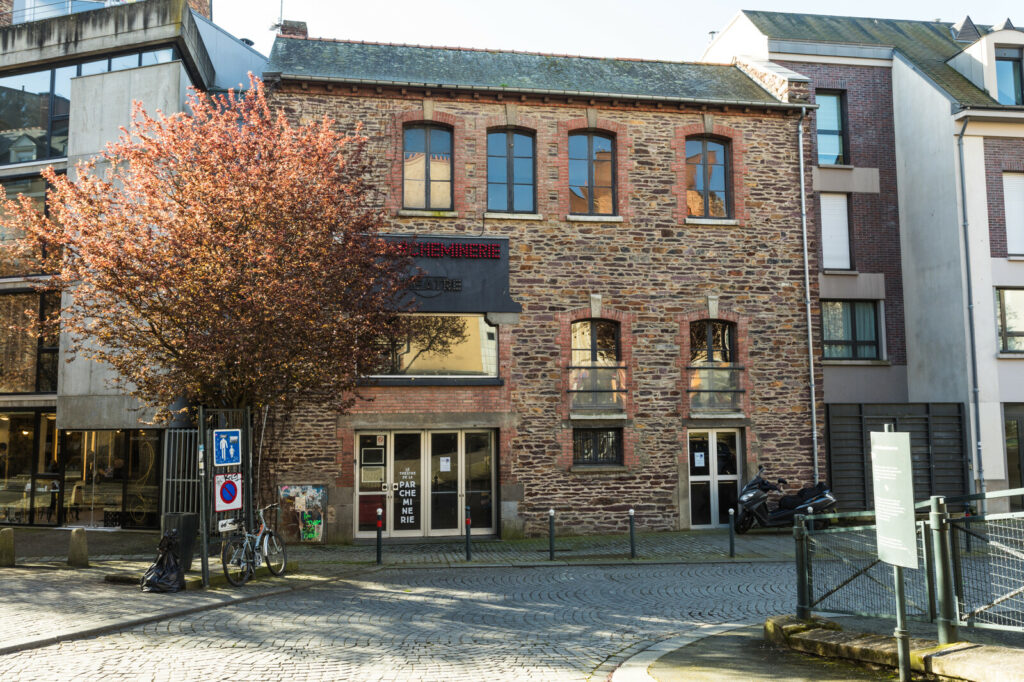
{"x": 536, "y": 623}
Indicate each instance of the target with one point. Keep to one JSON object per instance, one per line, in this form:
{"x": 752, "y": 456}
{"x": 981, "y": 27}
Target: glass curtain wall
{"x": 30, "y": 482}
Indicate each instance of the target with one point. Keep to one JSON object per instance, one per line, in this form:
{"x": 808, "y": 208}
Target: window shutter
{"x": 1013, "y": 204}
{"x": 835, "y": 232}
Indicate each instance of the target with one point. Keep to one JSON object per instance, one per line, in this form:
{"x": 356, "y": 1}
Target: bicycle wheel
{"x": 274, "y": 551}
{"x": 236, "y": 558}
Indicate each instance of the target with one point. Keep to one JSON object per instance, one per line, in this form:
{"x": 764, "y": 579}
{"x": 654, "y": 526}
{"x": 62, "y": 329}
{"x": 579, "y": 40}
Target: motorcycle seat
{"x": 809, "y": 493}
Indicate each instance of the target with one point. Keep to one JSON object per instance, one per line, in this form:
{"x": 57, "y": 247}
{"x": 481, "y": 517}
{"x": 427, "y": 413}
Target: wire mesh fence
{"x": 846, "y": 575}
{"x": 988, "y": 570}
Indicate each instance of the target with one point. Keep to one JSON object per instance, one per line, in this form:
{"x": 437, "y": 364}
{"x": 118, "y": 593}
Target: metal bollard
{"x": 632, "y": 534}
{"x": 469, "y": 526}
{"x": 380, "y": 534}
{"x": 732, "y": 532}
{"x": 803, "y": 603}
{"x": 551, "y": 534}
{"x": 938, "y": 519}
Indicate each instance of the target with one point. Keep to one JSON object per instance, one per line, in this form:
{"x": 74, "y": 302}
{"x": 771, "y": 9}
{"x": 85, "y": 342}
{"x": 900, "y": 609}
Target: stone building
{"x": 622, "y": 241}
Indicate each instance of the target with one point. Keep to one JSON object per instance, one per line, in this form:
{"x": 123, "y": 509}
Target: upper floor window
{"x": 28, "y": 361}
{"x": 714, "y": 373}
{"x": 830, "y": 120}
{"x": 34, "y": 106}
{"x": 427, "y": 168}
{"x": 707, "y": 179}
{"x": 442, "y": 346}
{"x": 33, "y": 187}
{"x": 850, "y": 330}
{"x": 835, "y": 232}
{"x": 1013, "y": 212}
{"x": 510, "y": 172}
{"x": 1008, "y": 75}
{"x": 1011, "y": 320}
{"x": 591, "y": 174}
{"x": 597, "y": 377}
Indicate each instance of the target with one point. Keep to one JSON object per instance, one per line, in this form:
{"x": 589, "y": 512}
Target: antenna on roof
{"x": 711, "y": 35}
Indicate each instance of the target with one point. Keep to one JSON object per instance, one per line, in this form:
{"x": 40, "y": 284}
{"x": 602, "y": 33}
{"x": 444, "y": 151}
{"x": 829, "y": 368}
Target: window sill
{"x": 597, "y": 416}
{"x": 22, "y": 166}
{"x": 717, "y": 415}
{"x": 837, "y": 166}
{"x": 432, "y": 381}
{"x": 415, "y": 213}
{"x": 848, "y": 273}
{"x": 857, "y": 363}
{"x": 1015, "y": 257}
{"x": 724, "y": 222}
{"x": 598, "y": 469}
{"x": 1010, "y": 356}
{"x": 572, "y": 217}
{"x": 513, "y": 216}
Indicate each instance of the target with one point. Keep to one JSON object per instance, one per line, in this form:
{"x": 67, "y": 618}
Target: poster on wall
{"x": 303, "y": 512}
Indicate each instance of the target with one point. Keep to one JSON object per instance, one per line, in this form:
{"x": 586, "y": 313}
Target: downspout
{"x": 975, "y": 391}
{"x": 807, "y": 294}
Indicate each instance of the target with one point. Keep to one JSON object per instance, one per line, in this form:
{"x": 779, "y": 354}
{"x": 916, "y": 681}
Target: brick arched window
{"x": 708, "y": 178}
{"x": 597, "y": 375}
{"x": 714, "y": 370}
{"x": 592, "y": 173}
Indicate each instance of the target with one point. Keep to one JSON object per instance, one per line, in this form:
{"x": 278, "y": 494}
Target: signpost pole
{"x": 250, "y": 491}
{"x": 901, "y": 632}
{"x": 204, "y": 502}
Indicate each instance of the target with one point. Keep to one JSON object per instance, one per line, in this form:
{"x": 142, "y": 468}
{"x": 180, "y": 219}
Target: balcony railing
{"x": 715, "y": 388}
{"x": 597, "y": 388}
{"x": 36, "y": 10}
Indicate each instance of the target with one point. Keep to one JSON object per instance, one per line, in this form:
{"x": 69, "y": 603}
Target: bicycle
{"x": 242, "y": 553}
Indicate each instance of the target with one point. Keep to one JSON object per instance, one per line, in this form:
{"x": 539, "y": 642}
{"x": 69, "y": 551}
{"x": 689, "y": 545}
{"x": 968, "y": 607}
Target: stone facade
{"x": 653, "y": 271}
{"x": 874, "y": 217}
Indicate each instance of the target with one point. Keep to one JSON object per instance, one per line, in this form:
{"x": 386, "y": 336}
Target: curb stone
{"x": 634, "y": 668}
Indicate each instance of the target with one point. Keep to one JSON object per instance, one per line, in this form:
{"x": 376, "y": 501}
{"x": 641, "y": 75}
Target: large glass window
{"x": 29, "y": 469}
{"x": 850, "y": 330}
{"x": 427, "y": 168}
{"x": 1013, "y": 212}
{"x": 714, "y": 373}
{"x": 510, "y": 172}
{"x": 36, "y": 10}
{"x": 1011, "y": 320}
{"x": 591, "y": 174}
{"x": 707, "y": 179}
{"x": 28, "y": 360}
{"x": 34, "y": 106}
{"x": 1008, "y": 75}
{"x": 830, "y": 118}
{"x": 33, "y": 187}
{"x": 443, "y": 345}
{"x": 596, "y": 376}
{"x": 596, "y": 446}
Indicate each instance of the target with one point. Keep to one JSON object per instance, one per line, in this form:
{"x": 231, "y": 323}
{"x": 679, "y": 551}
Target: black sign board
{"x": 460, "y": 275}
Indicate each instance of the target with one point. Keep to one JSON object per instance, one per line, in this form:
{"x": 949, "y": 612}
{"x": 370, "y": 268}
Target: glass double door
{"x": 714, "y": 463}
{"x": 422, "y": 481}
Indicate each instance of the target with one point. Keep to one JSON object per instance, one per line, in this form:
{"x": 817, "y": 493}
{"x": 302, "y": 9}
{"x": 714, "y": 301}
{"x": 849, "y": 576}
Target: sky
{"x": 674, "y": 30}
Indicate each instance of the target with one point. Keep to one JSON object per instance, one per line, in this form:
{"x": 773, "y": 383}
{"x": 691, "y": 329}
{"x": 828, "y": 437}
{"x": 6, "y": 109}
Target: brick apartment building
{"x": 622, "y": 242}
{"x": 919, "y": 205}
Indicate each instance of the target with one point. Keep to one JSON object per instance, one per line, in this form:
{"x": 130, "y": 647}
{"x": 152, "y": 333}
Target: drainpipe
{"x": 807, "y": 294}
{"x": 979, "y": 467}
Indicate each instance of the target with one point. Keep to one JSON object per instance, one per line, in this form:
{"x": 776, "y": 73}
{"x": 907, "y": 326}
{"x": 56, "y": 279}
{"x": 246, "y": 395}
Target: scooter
{"x": 754, "y": 509}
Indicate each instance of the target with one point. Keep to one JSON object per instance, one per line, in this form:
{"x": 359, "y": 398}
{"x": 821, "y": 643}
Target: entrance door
{"x": 1014, "y": 422}
{"x": 714, "y": 457}
{"x": 423, "y": 481}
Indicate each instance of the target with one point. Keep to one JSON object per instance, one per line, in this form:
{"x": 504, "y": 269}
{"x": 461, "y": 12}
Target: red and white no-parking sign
{"x": 227, "y": 492}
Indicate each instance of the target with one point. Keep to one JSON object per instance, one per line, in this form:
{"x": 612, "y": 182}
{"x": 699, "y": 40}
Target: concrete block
{"x": 6, "y": 546}
{"x": 78, "y": 549}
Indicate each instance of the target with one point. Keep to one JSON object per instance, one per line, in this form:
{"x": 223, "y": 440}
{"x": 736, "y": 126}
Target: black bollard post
{"x": 469, "y": 526}
{"x": 732, "y": 532}
{"x": 380, "y": 534}
{"x": 632, "y": 534}
{"x": 551, "y": 534}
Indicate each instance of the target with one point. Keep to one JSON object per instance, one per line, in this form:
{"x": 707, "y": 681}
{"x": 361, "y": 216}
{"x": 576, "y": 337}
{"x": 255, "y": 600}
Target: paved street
{"x": 474, "y": 623}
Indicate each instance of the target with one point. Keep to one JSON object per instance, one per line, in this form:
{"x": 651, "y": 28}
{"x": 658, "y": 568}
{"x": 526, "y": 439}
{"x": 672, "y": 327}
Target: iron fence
{"x": 970, "y": 568}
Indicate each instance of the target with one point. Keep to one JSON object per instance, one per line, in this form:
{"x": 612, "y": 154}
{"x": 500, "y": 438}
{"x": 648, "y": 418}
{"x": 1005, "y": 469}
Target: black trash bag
{"x": 165, "y": 575}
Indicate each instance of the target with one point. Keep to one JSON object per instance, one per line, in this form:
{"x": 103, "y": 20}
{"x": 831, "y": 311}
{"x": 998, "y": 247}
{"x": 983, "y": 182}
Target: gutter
{"x": 979, "y": 467}
{"x": 278, "y": 76}
{"x": 807, "y": 294}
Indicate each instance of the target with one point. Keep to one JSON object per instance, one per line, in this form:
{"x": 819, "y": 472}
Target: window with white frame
{"x": 835, "y": 232}
{"x": 1013, "y": 209}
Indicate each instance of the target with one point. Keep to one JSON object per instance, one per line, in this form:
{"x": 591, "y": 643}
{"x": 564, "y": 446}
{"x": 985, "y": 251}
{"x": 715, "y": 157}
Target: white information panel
{"x": 893, "y": 478}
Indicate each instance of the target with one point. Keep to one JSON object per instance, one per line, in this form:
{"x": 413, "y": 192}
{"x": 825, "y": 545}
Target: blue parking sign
{"x": 227, "y": 447}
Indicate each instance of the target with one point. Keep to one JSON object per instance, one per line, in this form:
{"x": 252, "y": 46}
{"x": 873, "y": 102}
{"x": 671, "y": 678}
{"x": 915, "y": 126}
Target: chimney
{"x": 204, "y": 7}
{"x": 6, "y": 12}
{"x": 293, "y": 29}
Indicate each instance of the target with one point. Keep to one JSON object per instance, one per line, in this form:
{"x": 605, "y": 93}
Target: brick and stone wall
{"x": 874, "y": 218}
{"x": 6, "y": 12}
{"x": 204, "y": 7}
{"x": 654, "y": 273}
{"x": 1002, "y": 154}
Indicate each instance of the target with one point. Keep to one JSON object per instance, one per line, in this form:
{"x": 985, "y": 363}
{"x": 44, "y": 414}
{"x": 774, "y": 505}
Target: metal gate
{"x": 181, "y": 471}
{"x": 938, "y": 449}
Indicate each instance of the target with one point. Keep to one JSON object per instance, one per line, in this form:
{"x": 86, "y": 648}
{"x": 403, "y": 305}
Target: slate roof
{"x": 927, "y": 44}
{"x": 445, "y": 67}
